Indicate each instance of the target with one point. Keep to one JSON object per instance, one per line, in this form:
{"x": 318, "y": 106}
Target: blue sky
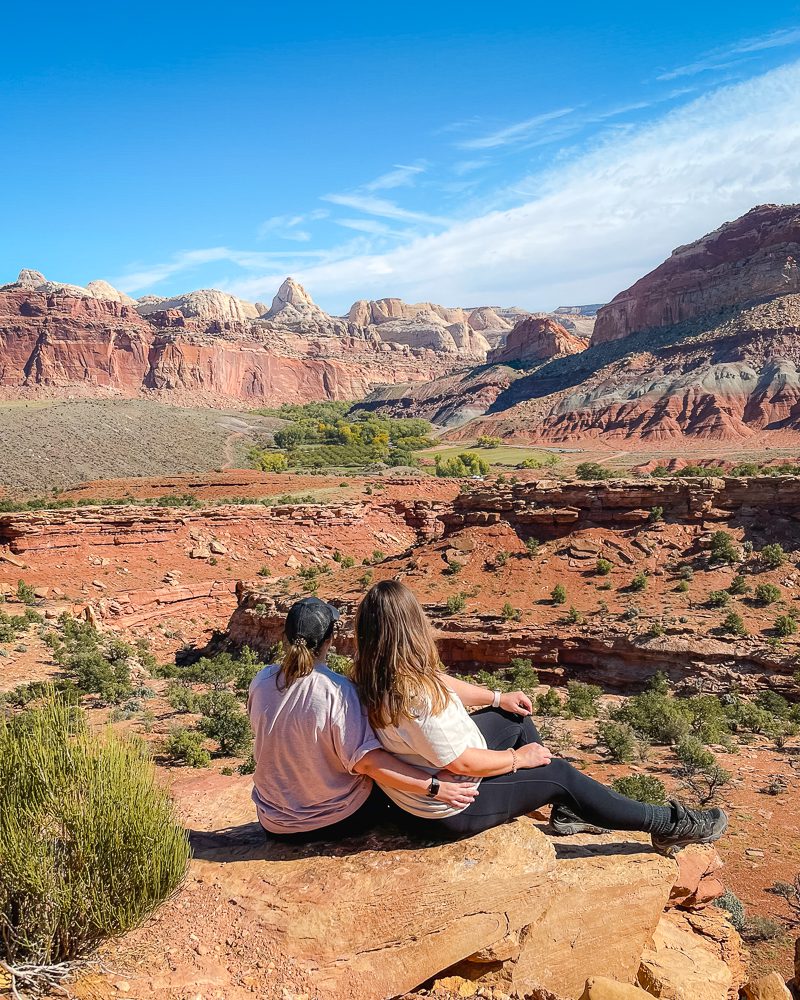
{"x": 522, "y": 154}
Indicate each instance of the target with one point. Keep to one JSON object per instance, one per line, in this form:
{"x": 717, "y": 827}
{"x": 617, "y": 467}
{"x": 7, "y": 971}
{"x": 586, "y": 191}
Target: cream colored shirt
{"x": 430, "y": 742}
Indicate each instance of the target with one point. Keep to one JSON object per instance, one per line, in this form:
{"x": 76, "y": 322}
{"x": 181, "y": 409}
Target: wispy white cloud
{"x": 287, "y": 227}
{"x": 733, "y": 54}
{"x": 401, "y": 175}
{"x": 382, "y": 207}
{"x": 512, "y": 134}
{"x": 586, "y": 229}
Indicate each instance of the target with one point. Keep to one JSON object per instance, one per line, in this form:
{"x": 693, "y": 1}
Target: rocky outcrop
{"x": 293, "y": 309}
{"x": 538, "y": 338}
{"x": 376, "y": 917}
{"x": 207, "y": 305}
{"x": 206, "y": 350}
{"x": 756, "y": 256}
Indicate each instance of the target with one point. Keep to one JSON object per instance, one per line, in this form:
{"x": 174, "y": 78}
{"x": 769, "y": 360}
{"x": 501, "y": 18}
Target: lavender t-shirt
{"x": 308, "y": 739}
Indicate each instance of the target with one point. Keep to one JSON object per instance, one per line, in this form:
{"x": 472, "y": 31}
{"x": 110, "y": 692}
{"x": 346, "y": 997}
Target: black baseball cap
{"x": 310, "y": 619}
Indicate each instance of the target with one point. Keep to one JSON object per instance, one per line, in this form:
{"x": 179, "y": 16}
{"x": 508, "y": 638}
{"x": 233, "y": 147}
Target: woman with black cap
{"x": 315, "y": 751}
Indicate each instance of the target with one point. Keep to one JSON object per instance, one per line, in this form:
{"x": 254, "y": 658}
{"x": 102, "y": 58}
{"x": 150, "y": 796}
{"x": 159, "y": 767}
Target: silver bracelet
{"x": 496, "y": 700}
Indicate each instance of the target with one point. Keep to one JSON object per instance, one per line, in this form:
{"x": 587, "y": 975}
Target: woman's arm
{"x": 476, "y": 696}
{"x": 487, "y": 763}
{"x": 387, "y": 769}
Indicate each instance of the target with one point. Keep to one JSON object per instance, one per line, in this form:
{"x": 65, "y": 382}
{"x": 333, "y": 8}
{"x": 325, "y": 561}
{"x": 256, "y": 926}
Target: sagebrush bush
{"x": 89, "y": 841}
{"x": 225, "y": 720}
{"x": 734, "y": 907}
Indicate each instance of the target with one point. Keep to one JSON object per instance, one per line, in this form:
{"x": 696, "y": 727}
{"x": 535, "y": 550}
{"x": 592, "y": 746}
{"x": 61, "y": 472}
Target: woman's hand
{"x": 533, "y": 755}
{"x": 456, "y": 790}
{"x": 516, "y": 702}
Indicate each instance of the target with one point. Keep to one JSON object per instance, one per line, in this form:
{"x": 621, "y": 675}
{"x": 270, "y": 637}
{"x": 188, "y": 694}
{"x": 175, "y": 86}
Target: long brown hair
{"x": 298, "y": 661}
{"x": 396, "y": 660}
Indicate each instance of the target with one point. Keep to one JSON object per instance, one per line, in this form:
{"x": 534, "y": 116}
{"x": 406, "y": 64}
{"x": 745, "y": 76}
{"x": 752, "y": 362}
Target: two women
{"x": 448, "y": 773}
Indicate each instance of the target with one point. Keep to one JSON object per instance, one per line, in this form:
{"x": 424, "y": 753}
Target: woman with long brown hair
{"x": 420, "y": 715}
{"x": 315, "y": 753}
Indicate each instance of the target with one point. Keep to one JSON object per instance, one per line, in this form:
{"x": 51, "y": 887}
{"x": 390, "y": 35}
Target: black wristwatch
{"x": 433, "y": 788}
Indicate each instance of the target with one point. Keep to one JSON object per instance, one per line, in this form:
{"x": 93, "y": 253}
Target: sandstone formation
{"x": 706, "y": 347}
{"x": 580, "y": 522}
{"x": 378, "y": 916}
{"x": 203, "y": 348}
{"x": 538, "y": 338}
{"x": 205, "y": 305}
{"x": 754, "y": 257}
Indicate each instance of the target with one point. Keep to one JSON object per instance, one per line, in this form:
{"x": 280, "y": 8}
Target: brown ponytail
{"x": 297, "y": 662}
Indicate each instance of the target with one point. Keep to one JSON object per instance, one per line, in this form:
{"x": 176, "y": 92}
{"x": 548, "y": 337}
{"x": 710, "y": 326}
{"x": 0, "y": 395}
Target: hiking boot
{"x": 564, "y": 822}
{"x": 690, "y": 826}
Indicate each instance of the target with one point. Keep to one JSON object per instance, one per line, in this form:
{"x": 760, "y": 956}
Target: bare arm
{"x": 386, "y": 769}
{"x": 487, "y": 763}
{"x": 477, "y": 696}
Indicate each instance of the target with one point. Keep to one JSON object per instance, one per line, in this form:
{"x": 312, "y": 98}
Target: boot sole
{"x": 664, "y": 845}
{"x": 569, "y": 830}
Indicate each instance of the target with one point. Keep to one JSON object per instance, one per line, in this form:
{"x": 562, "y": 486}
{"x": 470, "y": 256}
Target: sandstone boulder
{"x": 769, "y": 987}
{"x": 693, "y": 956}
{"x": 537, "y": 338}
{"x": 375, "y": 918}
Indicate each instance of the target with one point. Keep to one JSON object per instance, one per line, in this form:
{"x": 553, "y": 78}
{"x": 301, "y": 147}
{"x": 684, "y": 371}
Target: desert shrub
{"x": 339, "y": 663}
{"x": 772, "y": 556}
{"x": 656, "y": 629}
{"x": 100, "y": 664}
{"x": 366, "y": 579}
{"x": 456, "y": 603}
{"x": 656, "y": 515}
{"x": 685, "y": 572}
{"x": 466, "y": 463}
{"x": 718, "y": 599}
{"x": 658, "y": 683}
{"x": 225, "y": 721}
{"x": 501, "y": 557}
{"x": 582, "y": 700}
{"x": 785, "y": 625}
{"x": 733, "y": 623}
{"x": 521, "y": 674}
{"x": 656, "y": 716}
{"x": 639, "y": 582}
{"x": 558, "y": 595}
{"x": 184, "y": 745}
{"x": 532, "y": 546}
{"x": 548, "y": 703}
{"x": 698, "y": 767}
{"x": 509, "y": 613}
{"x": 247, "y": 766}
{"x": 487, "y": 441}
{"x": 25, "y": 593}
{"x": 453, "y": 567}
{"x": 722, "y": 548}
{"x": 89, "y": 841}
{"x": 642, "y": 787}
{"x": 767, "y": 593}
{"x": 573, "y": 616}
{"x": 734, "y": 907}
{"x": 592, "y": 470}
{"x": 758, "y": 928}
{"x": 739, "y": 586}
{"x": 181, "y": 698}
{"x": 603, "y": 567}
{"x": 618, "y": 741}
{"x": 682, "y": 587}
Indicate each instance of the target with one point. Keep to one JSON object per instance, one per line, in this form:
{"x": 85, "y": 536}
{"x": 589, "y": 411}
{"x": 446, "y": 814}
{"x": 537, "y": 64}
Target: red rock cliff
{"x": 754, "y": 257}
{"x": 537, "y": 338}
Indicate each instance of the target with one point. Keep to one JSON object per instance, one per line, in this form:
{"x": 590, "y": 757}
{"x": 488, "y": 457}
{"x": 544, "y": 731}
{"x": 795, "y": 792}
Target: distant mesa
{"x": 35, "y": 281}
{"x": 206, "y": 305}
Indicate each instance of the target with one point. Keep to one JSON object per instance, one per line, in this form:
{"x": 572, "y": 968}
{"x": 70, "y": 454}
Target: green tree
{"x": 592, "y": 470}
{"x": 767, "y": 593}
{"x": 772, "y": 556}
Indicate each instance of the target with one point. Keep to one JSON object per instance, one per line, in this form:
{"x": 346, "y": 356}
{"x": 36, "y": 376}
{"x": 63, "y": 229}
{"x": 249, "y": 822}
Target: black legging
{"x": 508, "y": 795}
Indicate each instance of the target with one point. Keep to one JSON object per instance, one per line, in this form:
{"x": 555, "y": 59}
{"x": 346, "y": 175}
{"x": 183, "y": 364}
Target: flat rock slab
{"x": 375, "y": 917}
